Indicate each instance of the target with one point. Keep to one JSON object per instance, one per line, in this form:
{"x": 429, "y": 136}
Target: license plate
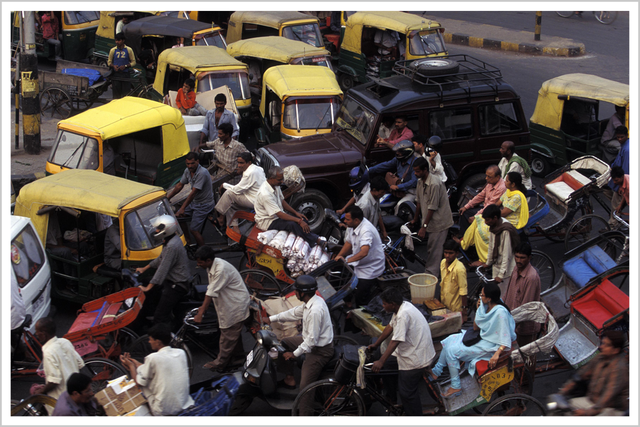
{"x": 249, "y": 357}
{"x": 38, "y": 303}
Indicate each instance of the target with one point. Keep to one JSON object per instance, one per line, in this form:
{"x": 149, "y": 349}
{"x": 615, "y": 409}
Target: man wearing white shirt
{"x": 270, "y": 209}
{"x": 370, "y": 203}
{"x": 411, "y": 344}
{"x": 316, "y": 341}
{"x": 424, "y": 149}
{"x": 367, "y": 256}
{"x": 511, "y": 162}
{"x": 230, "y": 296}
{"x": 243, "y": 194}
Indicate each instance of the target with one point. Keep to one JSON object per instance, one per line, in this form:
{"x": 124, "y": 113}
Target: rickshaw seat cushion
{"x": 587, "y": 265}
{"x": 601, "y": 304}
{"x": 567, "y": 183}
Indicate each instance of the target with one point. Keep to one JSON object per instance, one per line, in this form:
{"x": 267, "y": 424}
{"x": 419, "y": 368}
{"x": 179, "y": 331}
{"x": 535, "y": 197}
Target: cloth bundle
{"x": 302, "y": 259}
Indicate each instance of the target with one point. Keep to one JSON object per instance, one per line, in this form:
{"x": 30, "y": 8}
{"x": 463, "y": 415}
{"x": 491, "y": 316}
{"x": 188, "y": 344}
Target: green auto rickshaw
{"x": 77, "y": 28}
{"x": 78, "y": 206}
{"x": 262, "y": 53}
{"x": 571, "y": 115}
{"x": 362, "y": 52}
{"x": 288, "y": 24}
{"x": 135, "y": 138}
{"x": 297, "y": 101}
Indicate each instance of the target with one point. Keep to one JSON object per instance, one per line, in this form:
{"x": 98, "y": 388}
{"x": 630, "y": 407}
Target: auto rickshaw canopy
{"x": 274, "y": 48}
{"x": 272, "y": 19}
{"x": 85, "y": 190}
{"x": 402, "y": 22}
{"x": 107, "y": 23}
{"x": 548, "y": 111}
{"x": 196, "y": 59}
{"x": 299, "y": 80}
{"x": 129, "y": 115}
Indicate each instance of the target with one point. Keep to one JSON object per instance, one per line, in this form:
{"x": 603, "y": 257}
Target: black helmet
{"x": 358, "y": 178}
{"x": 404, "y": 149}
{"x": 306, "y": 283}
{"x": 435, "y": 142}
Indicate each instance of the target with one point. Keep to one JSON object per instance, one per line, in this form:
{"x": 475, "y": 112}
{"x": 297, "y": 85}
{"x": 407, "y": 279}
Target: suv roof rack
{"x": 471, "y": 72}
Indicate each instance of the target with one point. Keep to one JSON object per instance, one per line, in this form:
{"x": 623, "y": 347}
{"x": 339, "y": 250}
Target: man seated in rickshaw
{"x": 495, "y": 331}
{"x": 388, "y": 43}
{"x": 186, "y": 100}
{"x": 513, "y": 207}
{"x": 511, "y": 162}
{"x": 608, "y": 142}
{"x": 112, "y": 265}
{"x": 602, "y": 384}
{"x": 621, "y": 197}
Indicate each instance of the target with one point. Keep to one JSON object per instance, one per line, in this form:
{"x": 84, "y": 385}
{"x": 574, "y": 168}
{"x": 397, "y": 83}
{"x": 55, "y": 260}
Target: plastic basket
{"x": 422, "y": 286}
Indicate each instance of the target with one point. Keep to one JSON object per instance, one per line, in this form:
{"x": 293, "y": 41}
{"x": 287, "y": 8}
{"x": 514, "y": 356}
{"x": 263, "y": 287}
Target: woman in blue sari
{"x": 497, "y": 332}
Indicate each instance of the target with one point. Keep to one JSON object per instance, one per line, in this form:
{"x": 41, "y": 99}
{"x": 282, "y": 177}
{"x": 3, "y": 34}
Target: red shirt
{"x": 624, "y": 189}
{"x": 186, "y": 102}
{"x": 395, "y": 136}
{"x": 49, "y": 27}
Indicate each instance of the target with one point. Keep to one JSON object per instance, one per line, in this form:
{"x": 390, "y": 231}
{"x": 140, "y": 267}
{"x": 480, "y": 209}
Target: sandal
{"x": 452, "y": 392}
{"x": 433, "y": 376}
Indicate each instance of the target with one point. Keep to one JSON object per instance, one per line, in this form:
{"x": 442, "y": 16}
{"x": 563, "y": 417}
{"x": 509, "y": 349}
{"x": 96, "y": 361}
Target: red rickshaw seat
{"x": 601, "y": 304}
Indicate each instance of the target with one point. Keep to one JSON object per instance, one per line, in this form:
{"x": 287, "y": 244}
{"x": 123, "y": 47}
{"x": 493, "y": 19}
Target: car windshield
{"x": 138, "y": 229}
{"x": 426, "y": 43}
{"x": 211, "y": 39}
{"x": 74, "y": 151}
{"x": 237, "y": 81}
{"x": 315, "y": 113}
{"x": 308, "y": 33}
{"x": 356, "y": 120}
{"x": 26, "y": 255}
{"x": 323, "y": 61}
{"x": 75, "y": 18}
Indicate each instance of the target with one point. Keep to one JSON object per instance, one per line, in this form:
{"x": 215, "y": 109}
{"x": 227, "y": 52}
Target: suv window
{"x": 498, "y": 118}
{"x": 27, "y": 256}
{"x": 356, "y": 120}
{"x": 450, "y": 124}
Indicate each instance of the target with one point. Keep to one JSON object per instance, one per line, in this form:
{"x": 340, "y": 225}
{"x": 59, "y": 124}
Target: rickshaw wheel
{"x": 345, "y": 81}
{"x": 328, "y": 398}
{"x": 540, "y": 166}
{"x": 546, "y": 269}
{"x": 583, "y": 229}
{"x": 565, "y": 14}
{"x": 515, "y": 405}
{"x": 261, "y": 283}
{"x": 101, "y": 371}
{"x": 56, "y": 100}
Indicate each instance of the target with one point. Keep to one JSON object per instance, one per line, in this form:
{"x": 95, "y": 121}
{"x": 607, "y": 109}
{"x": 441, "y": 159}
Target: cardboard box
{"x": 121, "y": 396}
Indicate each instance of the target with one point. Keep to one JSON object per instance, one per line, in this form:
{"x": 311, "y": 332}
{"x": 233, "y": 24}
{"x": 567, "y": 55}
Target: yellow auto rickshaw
{"x": 568, "y": 121}
{"x": 373, "y": 41}
{"x": 75, "y": 207}
{"x": 212, "y": 67}
{"x": 297, "y": 101}
{"x": 289, "y": 24}
{"x": 135, "y": 138}
{"x": 78, "y": 29}
{"x": 261, "y": 53}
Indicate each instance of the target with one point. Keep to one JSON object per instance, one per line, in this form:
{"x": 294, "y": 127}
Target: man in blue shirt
{"x": 77, "y": 400}
{"x": 121, "y": 59}
{"x": 214, "y": 118}
{"x": 404, "y": 187}
{"x": 622, "y": 160}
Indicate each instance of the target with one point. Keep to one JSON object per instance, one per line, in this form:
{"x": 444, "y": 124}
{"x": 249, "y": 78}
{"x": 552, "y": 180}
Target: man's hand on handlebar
{"x": 422, "y": 232}
{"x": 289, "y": 356}
{"x": 377, "y": 366}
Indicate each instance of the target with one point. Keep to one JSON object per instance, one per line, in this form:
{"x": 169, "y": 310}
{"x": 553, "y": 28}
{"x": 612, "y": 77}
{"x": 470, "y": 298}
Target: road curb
{"x": 572, "y": 49}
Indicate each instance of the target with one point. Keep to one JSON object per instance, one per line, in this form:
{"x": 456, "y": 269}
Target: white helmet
{"x": 163, "y": 226}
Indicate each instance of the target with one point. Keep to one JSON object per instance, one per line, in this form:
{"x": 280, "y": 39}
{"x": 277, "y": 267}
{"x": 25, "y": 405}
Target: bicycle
{"x": 604, "y": 18}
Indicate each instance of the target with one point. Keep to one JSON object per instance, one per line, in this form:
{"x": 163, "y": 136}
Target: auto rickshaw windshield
{"x": 308, "y": 33}
{"x": 75, "y": 151}
{"x": 237, "y": 81}
{"x": 80, "y": 17}
{"x": 323, "y": 61}
{"x": 356, "y": 120}
{"x": 211, "y": 39}
{"x": 426, "y": 43}
{"x": 314, "y": 113}
{"x": 138, "y": 229}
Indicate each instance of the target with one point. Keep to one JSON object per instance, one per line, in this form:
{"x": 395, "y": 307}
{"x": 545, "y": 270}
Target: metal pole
{"x": 30, "y": 87}
{"x": 16, "y": 79}
{"x": 538, "y": 25}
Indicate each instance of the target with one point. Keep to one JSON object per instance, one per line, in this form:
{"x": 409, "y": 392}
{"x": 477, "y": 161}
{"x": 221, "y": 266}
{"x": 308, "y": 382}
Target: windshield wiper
{"x": 426, "y": 45}
{"x": 323, "y": 116}
{"x": 65, "y": 164}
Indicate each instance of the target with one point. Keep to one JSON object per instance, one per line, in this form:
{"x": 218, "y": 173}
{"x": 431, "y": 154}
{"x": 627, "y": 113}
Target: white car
{"x": 30, "y": 268}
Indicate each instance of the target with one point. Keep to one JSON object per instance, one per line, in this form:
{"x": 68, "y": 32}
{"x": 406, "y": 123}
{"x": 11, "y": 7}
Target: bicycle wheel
{"x": 126, "y": 337}
{"x": 32, "y": 406}
{"x": 583, "y": 229}
{"x": 565, "y": 14}
{"x": 263, "y": 284}
{"x": 141, "y": 349}
{"x": 102, "y": 371}
{"x": 605, "y": 18}
{"x": 516, "y": 405}
{"x": 546, "y": 269}
{"x": 328, "y": 398}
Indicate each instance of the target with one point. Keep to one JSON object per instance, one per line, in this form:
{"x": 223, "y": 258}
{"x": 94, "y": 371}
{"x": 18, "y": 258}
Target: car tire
{"x": 435, "y": 66}
{"x": 312, "y": 204}
{"x": 540, "y": 166}
{"x": 345, "y": 81}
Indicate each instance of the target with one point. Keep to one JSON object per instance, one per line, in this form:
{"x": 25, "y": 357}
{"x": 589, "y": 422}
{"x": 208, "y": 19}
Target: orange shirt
{"x": 624, "y": 189}
{"x": 186, "y": 102}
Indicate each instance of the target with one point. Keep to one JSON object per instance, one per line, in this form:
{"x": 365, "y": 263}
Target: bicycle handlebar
{"x": 619, "y": 219}
{"x": 482, "y": 276}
